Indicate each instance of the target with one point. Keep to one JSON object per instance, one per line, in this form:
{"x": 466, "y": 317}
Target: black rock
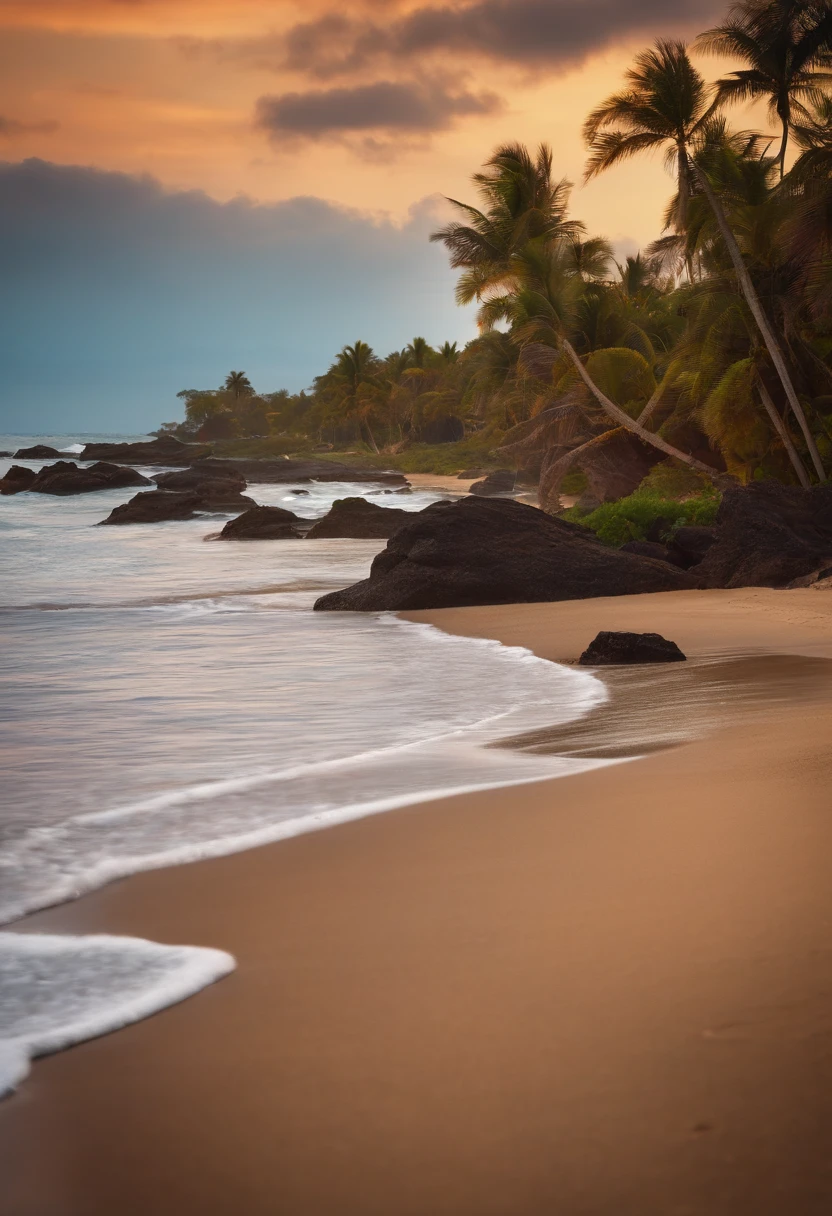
{"x": 359, "y": 519}
{"x": 280, "y": 471}
{"x": 768, "y": 535}
{"x": 17, "y": 478}
{"x": 65, "y": 478}
{"x": 197, "y": 474}
{"x": 497, "y": 551}
{"x": 262, "y": 523}
{"x": 614, "y": 648}
{"x": 690, "y": 544}
{"x": 39, "y": 452}
{"x": 650, "y": 548}
{"x": 501, "y": 481}
{"x": 157, "y": 451}
{"x": 155, "y": 506}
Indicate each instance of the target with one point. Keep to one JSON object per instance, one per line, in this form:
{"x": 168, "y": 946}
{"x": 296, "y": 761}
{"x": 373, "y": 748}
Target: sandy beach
{"x": 602, "y": 995}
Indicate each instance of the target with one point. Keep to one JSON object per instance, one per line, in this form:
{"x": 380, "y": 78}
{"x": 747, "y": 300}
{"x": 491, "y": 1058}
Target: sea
{"x": 170, "y": 697}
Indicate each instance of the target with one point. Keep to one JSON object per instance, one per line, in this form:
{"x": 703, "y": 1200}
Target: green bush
{"x": 672, "y": 479}
{"x": 630, "y": 518}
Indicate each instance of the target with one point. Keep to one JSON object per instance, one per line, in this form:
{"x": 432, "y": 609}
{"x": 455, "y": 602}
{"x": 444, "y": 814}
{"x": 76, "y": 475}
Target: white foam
{"x": 57, "y": 991}
{"x": 74, "y": 448}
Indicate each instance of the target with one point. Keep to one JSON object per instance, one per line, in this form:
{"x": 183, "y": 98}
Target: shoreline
{"x": 602, "y": 992}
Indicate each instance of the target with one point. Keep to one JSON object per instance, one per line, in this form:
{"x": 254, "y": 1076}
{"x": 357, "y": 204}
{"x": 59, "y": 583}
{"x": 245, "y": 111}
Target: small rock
{"x": 66, "y": 478}
{"x": 361, "y": 520}
{"x": 39, "y": 452}
{"x": 609, "y": 648}
{"x": 501, "y": 481}
{"x": 17, "y": 478}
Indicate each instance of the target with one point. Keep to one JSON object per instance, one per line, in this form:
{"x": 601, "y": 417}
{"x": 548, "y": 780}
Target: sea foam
{"x": 58, "y": 991}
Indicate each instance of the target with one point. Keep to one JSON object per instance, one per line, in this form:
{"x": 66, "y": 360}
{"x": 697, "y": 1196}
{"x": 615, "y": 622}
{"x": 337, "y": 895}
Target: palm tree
{"x": 354, "y": 375}
{"x": 239, "y": 385}
{"x": 666, "y": 103}
{"x": 520, "y": 202}
{"x": 666, "y": 106}
{"x": 786, "y": 45}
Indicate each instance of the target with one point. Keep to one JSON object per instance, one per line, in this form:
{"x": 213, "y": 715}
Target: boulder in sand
{"x": 262, "y": 523}
{"x": 652, "y": 548}
{"x": 497, "y": 551}
{"x": 608, "y": 649}
{"x": 39, "y": 452}
{"x": 501, "y": 481}
{"x": 768, "y": 535}
{"x": 17, "y": 478}
{"x": 360, "y": 519}
{"x": 66, "y": 477}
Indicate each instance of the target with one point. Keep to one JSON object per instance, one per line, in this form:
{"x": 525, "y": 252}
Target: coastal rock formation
{"x": 501, "y": 481}
{"x": 497, "y": 551}
{"x": 615, "y": 464}
{"x": 198, "y": 474}
{"x": 17, "y": 478}
{"x": 614, "y": 648}
{"x": 280, "y": 471}
{"x": 690, "y": 544}
{"x": 156, "y": 506}
{"x": 768, "y": 535}
{"x": 360, "y": 519}
{"x": 39, "y": 452}
{"x": 65, "y": 477}
{"x": 166, "y": 450}
{"x": 262, "y": 523}
{"x": 652, "y": 548}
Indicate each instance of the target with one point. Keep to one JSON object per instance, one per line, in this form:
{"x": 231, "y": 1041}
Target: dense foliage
{"x": 711, "y": 351}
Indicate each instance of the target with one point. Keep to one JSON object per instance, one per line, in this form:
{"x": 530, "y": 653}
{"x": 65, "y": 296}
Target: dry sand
{"x": 605, "y": 995}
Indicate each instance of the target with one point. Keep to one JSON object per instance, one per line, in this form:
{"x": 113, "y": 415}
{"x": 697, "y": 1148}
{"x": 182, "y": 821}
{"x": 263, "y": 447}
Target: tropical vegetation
{"x": 707, "y": 356}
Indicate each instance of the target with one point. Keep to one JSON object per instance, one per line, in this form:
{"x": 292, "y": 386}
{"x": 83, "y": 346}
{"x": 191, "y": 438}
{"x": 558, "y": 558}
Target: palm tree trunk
{"x": 651, "y": 405}
{"x": 616, "y": 413}
{"x": 784, "y": 144}
{"x": 371, "y": 437}
{"x": 753, "y": 301}
{"x": 780, "y": 427}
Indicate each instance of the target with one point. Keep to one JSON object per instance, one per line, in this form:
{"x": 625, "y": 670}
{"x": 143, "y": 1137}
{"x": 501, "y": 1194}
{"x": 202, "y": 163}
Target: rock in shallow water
{"x": 360, "y": 519}
{"x": 39, "y": 452}
{"x": 609, "y": 648}
{"x": 17, "y": 478}
{"x": 501, "y": 481}
{"x": 262, "y": 523}
{"x": 66, "y": 478}
{"x": 497, "y": 551}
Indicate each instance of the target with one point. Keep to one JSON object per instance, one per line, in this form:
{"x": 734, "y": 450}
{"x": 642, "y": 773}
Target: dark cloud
{"x": 531, "y": 33}
{"x": 10, "y": 127}
{"x": 405, "y": 106}
{"x": 116, "y": 293}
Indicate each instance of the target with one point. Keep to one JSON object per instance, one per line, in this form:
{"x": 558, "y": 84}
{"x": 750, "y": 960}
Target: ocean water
{"x": 170, "y": 697}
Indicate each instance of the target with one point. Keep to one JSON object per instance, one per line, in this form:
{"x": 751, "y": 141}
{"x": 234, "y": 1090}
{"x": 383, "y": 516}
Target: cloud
{"x": 405, "y": 106}
{"x": 117, "y": 293}
{"x": 9, "y": 127}
{"x": 529, "y": 33}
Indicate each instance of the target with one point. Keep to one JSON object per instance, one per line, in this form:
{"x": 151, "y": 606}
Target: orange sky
{"x": 170, "y": 87}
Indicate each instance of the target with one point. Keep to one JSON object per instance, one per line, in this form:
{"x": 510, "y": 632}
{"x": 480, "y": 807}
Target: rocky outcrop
{"x": 690, "y": 543}
{"x": 501, "y": 481}
{"x": 768, "y": 535}
{"x": 198, "y": 474}
{"x": 360, "y": 519}
{"x": 157, "y": 451}
{"x": 156, "y": 506}
{"x": 497, "y": 551}
{"x": 65, "y": 477}
{"x": 39, "y": 452}
{"x": 281, "y": 471}
{"x": 609, "y": 649}
{"x": 262, "y": 523}
{"x": 17, "y": 478}
{"x": 651, "y": 548}
{"x": 615, "y": 464}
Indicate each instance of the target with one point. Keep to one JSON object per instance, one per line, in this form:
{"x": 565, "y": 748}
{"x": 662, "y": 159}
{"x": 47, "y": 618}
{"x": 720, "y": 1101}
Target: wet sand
{"x": 605, "y": 995}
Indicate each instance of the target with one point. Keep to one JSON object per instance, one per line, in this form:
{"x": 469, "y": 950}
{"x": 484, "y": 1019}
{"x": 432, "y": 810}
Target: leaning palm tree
{"x": 665, "y": 104}
{"x": 786, "y": 46}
